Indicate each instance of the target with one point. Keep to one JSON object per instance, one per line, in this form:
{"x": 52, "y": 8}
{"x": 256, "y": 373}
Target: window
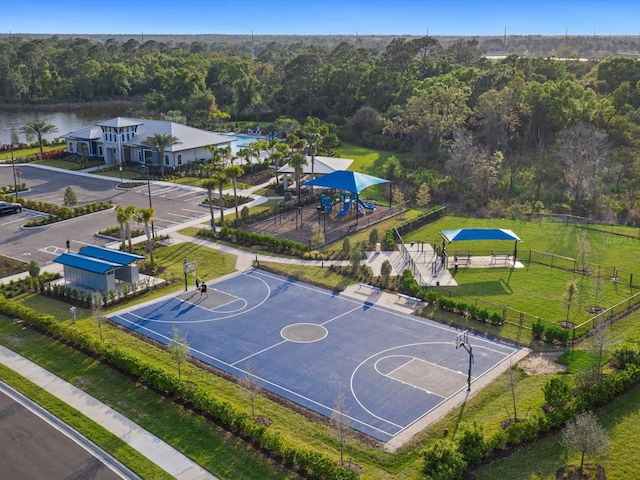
{"x": 148, "y": 156}
{"x": 179, "y": 159}
{"x": 166, "y": 159}
{"x": 71, "y": 146}
{"x": 123, "y": 137}
{"x": 100, "y": 151}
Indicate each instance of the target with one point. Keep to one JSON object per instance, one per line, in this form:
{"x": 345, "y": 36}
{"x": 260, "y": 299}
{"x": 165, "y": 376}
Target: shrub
{"x": 473, "y": 446}
{"x": 537, "y": 329}
{"x": 443, "y": 462}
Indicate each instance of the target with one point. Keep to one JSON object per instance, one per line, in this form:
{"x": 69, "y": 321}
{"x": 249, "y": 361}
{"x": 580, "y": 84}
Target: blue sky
{"x": 323, "y": 17}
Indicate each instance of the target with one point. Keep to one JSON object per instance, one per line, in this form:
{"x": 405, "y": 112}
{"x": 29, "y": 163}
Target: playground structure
{"x": 351, "y": 200}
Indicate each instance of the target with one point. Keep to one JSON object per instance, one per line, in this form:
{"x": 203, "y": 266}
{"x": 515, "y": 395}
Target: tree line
{"x": 525, "y": 133}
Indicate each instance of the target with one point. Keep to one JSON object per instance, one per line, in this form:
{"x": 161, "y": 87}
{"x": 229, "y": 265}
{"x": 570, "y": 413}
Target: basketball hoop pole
{"x": 462, "y": 340}
{"x": 470, "y": 350}
{"x": 185, "y": 267}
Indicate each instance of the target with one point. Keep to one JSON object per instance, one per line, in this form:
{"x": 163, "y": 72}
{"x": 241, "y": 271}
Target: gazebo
{"x": 471, "y": 234}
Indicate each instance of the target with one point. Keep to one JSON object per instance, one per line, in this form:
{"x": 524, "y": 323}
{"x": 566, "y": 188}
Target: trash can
{"x": 378, "y": 248}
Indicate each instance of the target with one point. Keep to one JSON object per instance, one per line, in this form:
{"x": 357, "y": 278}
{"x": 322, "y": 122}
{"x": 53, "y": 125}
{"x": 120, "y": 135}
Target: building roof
{"x": 188, "y": 136}
{"x": 84, "y": 262}
{"x": 323, "y": 165}
{"x": 109, "y": 255}
{"x": 478, "y": 234}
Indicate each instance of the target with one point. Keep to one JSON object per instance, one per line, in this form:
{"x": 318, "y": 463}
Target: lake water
{"x": 65, "y": 121}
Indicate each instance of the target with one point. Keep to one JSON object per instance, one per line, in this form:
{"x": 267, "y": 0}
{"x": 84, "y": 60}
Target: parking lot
{"x": 174, "y": 205}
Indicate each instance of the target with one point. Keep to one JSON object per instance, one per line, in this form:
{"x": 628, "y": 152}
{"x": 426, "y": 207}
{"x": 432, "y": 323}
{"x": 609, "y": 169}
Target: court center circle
{"x": 304, "y": 332}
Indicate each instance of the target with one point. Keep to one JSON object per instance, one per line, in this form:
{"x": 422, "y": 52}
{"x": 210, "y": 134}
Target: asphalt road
{"x": 173, "y": 205}
{"x": 33, "y": 444}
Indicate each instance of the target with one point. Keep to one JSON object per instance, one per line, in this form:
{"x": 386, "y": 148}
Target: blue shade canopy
{"x": 346, "y": 180}
{"x": 478, "y": 234}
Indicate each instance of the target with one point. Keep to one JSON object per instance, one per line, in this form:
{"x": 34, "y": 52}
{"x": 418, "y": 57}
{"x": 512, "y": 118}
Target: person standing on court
{"x": 197, "y": 283}
{"x": 203, "y": 289}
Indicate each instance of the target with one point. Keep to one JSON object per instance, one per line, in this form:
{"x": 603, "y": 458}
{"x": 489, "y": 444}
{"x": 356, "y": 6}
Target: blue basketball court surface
{"x": 308, "y": 345}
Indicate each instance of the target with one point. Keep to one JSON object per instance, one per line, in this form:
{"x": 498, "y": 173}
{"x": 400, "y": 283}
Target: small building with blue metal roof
{"x": 99, "y": 268}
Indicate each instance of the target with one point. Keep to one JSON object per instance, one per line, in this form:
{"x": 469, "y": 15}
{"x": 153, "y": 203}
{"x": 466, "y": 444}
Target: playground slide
{"x": 345, "y": 209}
{"x": 368, "y": 206}
{"x": 360, "y": 209}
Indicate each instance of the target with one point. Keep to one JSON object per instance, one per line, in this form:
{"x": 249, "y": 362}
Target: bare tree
{"x": 600, "y": 341}
{"x": 179, "y": 348}
{"x": 586, "y": 436}
{"x": 340, "y": 420}
{"x": 570, "y": 292}
{"x": 582, "y": 152}
{"x": 96, "y": 312}
{"x": 249, "y": 382}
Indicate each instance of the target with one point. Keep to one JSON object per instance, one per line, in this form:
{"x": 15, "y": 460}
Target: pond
{"x": 65, "y": 119}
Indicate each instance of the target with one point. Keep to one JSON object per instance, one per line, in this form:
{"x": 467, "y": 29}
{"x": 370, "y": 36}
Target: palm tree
{"x": 160, "y": 142}
{"x": 145, "y": 215}
{"x": 217, "y": 155}
{"x": 297, "y": 160}
{"x": 314, "y": 133}
{"x": 130, "y": 213}
{"x": 210, "y": 184}
{"x": 233, "y": 172}
{"x": 121, "y": 217}
{"x": 38, "y": 128}
{"x": 220, "y": 179}
{"x": 246, "y": 153}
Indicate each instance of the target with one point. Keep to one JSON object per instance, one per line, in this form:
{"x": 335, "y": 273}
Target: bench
{"x": 372, "y": 287}
{"x": 463, "y": 259}
{"x": 501, "y": 258}
{"x": 409, "y": 298}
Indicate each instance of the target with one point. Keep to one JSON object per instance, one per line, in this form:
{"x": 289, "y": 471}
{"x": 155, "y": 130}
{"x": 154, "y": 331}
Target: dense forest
{"x": 558, "y": 133}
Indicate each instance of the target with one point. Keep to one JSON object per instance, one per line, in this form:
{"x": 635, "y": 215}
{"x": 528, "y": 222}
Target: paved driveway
{"x": 173, "y": 204}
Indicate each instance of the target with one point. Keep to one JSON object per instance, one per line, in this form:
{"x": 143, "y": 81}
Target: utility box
{"x": 378, "y": 248}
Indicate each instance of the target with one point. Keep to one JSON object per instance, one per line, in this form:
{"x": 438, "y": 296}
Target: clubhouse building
{"x": 119, "y": 140}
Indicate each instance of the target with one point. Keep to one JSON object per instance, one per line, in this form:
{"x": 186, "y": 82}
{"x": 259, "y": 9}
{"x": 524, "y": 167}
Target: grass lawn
{"x": 536, "y": 288}
{"x": 539, "y": 290}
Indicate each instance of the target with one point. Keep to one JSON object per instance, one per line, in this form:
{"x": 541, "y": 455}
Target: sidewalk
{"x": 163, "y": 455}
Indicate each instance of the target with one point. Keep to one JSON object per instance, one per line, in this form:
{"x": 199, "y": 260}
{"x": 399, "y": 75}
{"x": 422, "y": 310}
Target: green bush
{"x": 537, "y": 329}
{"x": 443, "y": 462}
{"x": 473, "y": 446}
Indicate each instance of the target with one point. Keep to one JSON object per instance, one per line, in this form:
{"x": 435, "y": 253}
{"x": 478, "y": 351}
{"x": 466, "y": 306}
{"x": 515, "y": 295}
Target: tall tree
{"x": 210, "y": 185}
{"x": 220, "y": 179}
{"x": 161, "y": 142}
{"x": 233, "y": 172}
{"x": 121, "y": 218}
{"x": 583, "y": 154}
{"x": 145, "y": 216}
{"x": 297, "y": 160}
{"x": 37, "y": 129}
{"x": 314, "y": 132}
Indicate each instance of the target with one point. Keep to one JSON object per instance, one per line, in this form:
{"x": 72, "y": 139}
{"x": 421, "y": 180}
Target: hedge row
{"x": 448, "y": 459}
{"x": 308, "y": 462}
{"x": 465, "y": 309}
{"x": 251, "y": 239}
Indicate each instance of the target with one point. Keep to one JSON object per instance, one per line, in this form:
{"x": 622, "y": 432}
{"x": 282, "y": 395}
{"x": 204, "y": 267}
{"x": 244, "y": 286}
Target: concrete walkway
{"x": 160, "y": 453}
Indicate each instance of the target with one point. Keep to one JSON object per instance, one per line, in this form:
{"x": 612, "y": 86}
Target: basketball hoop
{"x": 462, "y": 339}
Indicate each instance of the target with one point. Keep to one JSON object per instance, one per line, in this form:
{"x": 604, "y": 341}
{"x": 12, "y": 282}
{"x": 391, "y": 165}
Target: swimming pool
{"x": 241, "y": 141}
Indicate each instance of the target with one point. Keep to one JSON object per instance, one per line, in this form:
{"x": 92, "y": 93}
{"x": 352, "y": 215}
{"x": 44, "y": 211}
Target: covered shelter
{"x": 347, "y": 180}
{"x": 323, "y": 166}
{"x": 98, "y": 268}
{"x": 477, "y": 234}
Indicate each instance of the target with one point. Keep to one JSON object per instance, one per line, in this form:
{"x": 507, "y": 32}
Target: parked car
{"x": 8, "y": 207}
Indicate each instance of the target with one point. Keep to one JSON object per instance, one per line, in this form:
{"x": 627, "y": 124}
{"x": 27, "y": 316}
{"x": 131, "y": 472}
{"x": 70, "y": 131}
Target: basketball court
{"x": 308, "y": 345}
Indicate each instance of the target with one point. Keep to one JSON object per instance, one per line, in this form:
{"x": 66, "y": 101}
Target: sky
{"x": 323, "y": 17}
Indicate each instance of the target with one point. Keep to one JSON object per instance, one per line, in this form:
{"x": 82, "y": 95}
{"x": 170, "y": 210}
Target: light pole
{"x": 153, "y": 232}
{"x": 13, "y": 164}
